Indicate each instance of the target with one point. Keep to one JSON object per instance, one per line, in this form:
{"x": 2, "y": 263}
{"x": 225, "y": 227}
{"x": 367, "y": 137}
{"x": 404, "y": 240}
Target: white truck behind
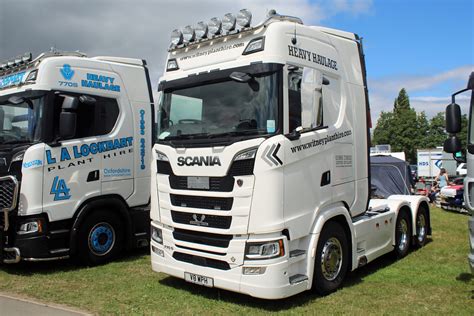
{"x": 75, "y": 139}
{"x": 260, "y": 171}
{"x": 453, "y": 145}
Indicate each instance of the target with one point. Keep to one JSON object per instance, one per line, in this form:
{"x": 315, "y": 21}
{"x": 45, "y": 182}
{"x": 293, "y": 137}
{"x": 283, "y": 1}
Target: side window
{"x": 95, "y": 119}
{"x": 305, "y": 98}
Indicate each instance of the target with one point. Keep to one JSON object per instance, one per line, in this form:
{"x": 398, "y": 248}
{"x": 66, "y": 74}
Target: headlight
{"x": 214, "y": 26}
{"x": 228, "y": 22}
{"x": 18, "y": 157}
{"x": 255, "y": 45}
{"x": 160, "y": 156}
{"x": 265, "y": 250}
{"x": 157, "y": 235}
{"x": 34, "y": 226}
{"x": 244, "y": 18}
{"x": 244, "y": 155}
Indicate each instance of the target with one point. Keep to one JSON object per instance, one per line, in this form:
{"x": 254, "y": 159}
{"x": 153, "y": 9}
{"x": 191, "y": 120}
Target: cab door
{"x": 73, "y": 166}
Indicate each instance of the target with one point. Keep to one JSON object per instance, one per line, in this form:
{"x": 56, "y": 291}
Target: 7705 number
{"x": 68, "y": 84}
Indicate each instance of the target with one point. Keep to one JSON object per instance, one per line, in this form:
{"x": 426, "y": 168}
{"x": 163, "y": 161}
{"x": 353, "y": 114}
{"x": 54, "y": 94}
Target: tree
{"x": 437, "y": 133}
{"x": 423, "y": 130}
{"x": 401, "y": 128}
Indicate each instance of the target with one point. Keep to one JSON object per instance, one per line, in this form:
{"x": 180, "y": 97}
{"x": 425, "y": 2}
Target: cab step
{"x": 298, "y": 278}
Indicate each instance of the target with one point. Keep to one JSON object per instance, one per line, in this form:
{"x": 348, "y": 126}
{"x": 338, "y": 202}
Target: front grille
{"x": 164, "y": 167}
{"x": 217, "y": 184}
{"x": 209, "y": 203}
{"x": 212, "y": 221}
{"x": 201, "y": 261}
{"x": 215, "y": 240}
{"x": 8, "y": 192}
{"x": 242, "y": 167}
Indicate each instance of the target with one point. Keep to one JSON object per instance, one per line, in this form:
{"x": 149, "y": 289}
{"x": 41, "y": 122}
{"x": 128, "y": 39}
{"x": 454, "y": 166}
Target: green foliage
{"x": 400, "y": 128}
{"x": 405, "y": 130}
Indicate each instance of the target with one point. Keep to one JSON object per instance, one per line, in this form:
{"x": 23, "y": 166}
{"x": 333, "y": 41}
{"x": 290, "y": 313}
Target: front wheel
{"x": 402, "y": 234}
{"x": 100, "y": 238}
{"x": 332, "y": 259}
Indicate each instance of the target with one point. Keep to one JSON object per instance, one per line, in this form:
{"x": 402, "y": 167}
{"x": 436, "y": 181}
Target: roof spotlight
{"x": 228, "y": 22}
{"x": 188, "y": 34}
{"x": 176, "y": 37}
{"x": 201, "y": 30}
{"x": 244, "y": 18}
{"x": 215, "y": 26}
{"x": 26, "y": 57}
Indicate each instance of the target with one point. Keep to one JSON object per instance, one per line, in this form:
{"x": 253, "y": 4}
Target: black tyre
{"x": 332, "y": 259}
{"x": 421, "y": 227}
{"x": 402, "y": 234}
{"x": 100, "y": 238}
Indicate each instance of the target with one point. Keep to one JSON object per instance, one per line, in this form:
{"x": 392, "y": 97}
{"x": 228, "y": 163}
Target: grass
{"x": 432, "y": 280}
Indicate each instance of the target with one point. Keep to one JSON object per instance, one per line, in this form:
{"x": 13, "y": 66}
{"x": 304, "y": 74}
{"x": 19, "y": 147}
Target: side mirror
{"x": 452, "y": 145}
{"x": 453, "y": 118}
{"x": 68, "y": 118}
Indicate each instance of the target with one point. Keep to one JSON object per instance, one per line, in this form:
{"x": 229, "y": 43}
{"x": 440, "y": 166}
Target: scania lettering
{"x": 453, "y": 145}
{"x": 75, "y": 133}
{"x": 284, "y": 108}
{"x": 199, "y": 161}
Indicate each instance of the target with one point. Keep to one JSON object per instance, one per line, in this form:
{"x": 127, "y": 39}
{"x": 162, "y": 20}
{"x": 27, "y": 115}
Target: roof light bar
{"x": 230, "y": 24}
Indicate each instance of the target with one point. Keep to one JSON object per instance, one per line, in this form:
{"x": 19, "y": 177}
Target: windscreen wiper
{"x": 187, "y": 136}
{"x": 239, "y": 133}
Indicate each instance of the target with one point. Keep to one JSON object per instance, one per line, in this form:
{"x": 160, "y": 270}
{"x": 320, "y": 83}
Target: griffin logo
{"x": 67, "y": 72}
{"x": 199, "y": 221}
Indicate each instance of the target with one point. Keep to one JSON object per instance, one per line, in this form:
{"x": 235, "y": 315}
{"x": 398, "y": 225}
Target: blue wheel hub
{"x": 101, "y": 239}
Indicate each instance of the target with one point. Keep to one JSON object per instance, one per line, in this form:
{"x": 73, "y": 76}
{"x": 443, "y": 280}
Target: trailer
{"x": 260, "y": 169}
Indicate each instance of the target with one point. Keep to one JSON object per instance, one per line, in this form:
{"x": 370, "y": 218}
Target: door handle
{"x": 93, "y": 176}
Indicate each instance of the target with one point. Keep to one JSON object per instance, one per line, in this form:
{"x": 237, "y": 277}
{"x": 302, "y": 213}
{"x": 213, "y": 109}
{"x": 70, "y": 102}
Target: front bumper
{"x": 45, "y": 246}
{"x": 274, "y": 283}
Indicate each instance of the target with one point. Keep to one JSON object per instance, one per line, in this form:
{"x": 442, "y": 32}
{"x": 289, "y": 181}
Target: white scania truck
{"x": 453, "y": 145}
{"x": 75, "y": 139}
{"x": 260, "y": 170}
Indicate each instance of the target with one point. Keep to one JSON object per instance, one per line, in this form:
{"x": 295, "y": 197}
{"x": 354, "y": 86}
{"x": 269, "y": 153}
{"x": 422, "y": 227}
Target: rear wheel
{"x": 402, "y": 234}
{"x": 100, "y": 238}
{"x": 421, "y": 227}
{"x": 332, "y": 258}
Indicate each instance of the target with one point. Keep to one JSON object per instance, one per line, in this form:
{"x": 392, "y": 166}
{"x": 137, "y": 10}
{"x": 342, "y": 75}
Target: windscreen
{"x": 224, "y": 108}
{"x": 20, "y": 121}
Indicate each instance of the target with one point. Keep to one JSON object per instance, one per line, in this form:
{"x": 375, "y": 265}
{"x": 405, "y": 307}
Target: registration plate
{"x": 198, "y": 183}
{"x": 199, "y": 279}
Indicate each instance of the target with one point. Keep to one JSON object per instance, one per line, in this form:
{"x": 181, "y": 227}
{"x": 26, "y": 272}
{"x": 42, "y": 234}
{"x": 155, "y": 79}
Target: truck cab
{"x": 75, "y": 134}
{"x": 260, "y": 169}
